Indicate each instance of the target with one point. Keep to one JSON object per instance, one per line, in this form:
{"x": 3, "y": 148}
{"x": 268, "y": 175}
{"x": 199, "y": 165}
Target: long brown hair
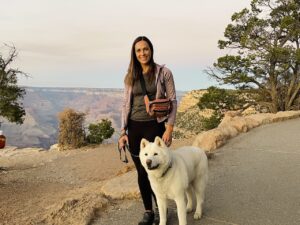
{"x": 135, "y": 69}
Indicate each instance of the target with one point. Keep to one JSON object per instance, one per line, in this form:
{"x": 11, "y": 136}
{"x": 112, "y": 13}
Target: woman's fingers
{"x": 123, "y": 140}
{"x": 167, "y": 138}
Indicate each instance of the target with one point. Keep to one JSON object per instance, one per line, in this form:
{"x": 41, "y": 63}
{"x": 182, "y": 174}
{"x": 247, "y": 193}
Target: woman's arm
{"x": 124, "y": 118}
{"x": 171, "y": 94}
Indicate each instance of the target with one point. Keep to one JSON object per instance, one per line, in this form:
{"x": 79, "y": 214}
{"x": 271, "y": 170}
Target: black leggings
{"x": 136, "y": 131}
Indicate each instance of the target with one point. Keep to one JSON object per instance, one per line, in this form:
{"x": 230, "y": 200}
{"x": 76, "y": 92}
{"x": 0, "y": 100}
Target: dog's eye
{"x": 155, "y": 154}
{"x": 146, "y": 154}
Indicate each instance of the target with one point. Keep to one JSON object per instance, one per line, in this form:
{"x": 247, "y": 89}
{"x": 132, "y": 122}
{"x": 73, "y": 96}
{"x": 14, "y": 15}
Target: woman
{"x": 136, "y": 122}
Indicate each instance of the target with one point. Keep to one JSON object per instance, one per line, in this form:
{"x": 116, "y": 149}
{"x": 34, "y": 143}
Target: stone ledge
{"x": 121, "y": 187}
{"x": 232, "y": 125}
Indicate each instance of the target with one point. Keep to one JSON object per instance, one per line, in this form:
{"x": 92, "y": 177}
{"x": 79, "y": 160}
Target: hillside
{"x": 43, "y": 104}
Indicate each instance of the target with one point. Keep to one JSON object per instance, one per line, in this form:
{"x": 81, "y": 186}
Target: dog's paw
{"x": 197, "y": 216}
{"x": 189, "y": 209}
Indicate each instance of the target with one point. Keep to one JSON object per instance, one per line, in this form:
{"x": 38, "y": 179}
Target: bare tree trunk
{"x": 294, "y": 87}
{"x": 273, "y": 89}
{"x": 275, "y": 105}
{"x": 289, "y": 104}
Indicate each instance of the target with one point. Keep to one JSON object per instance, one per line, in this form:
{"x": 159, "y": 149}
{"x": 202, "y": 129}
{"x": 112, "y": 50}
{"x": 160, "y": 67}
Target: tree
{"x": 100, "y": 131}
{"x": 266, "y": 42}
{"x": 10, "y": 94}
{"x": 71, "y": 129}
{"x": 221, "y": 100}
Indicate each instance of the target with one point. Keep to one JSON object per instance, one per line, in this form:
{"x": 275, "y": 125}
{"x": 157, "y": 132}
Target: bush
{"x": 100, "y": 131}
{"x": 71, "y": 130}
{"x": 178, "y": 134}
{"x": 190, "y": 120}
{"x": 211, "y": 122}
{"x": 220, "y": 100}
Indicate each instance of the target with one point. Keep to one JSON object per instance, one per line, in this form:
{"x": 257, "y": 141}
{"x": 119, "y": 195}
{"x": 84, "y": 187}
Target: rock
{"x": 280, "y": 116}
{"x": 231, "y": 118}
{"x": 210, "y": 140}
{"x": 190, "y": 99}
{"x": 233, "y": 124}
{"x": 122, "y": 187}
{"x": 54, "y": 147}
{"x": 249, "y": 111}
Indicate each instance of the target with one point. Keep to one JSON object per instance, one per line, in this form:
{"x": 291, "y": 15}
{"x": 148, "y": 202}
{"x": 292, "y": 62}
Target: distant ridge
{"x": 42, "y": 105}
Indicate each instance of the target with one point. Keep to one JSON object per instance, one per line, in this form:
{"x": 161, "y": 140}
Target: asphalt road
{"x": 253, "y": 180}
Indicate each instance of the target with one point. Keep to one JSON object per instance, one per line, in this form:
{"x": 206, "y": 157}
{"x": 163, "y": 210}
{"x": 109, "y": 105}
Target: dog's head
{"x": 154, "y": 156}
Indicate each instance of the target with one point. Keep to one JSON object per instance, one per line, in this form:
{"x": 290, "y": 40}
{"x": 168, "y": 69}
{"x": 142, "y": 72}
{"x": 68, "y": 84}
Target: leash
{"x": 124, "y": 148}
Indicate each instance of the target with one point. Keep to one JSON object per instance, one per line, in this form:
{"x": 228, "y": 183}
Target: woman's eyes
{"x": 145, "y": 49}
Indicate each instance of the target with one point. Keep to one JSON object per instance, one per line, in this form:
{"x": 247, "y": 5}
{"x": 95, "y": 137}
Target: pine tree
{"x": 10, "y": 93}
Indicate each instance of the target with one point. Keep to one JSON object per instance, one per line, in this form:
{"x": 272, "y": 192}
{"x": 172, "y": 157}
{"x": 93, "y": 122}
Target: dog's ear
{"x": 159, "y": 142}
{"x": 144, "y": 143}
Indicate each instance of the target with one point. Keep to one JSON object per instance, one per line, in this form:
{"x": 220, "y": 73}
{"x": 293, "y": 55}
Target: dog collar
{"x": 164, "y": 173}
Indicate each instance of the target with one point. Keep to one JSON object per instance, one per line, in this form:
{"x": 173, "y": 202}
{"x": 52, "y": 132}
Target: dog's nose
{"x": 148, "y": 162}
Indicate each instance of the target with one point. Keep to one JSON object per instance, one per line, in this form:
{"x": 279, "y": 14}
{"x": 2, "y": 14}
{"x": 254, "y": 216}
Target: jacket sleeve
{"x": 171, "y": 94}
{"x": 125, "y": 108}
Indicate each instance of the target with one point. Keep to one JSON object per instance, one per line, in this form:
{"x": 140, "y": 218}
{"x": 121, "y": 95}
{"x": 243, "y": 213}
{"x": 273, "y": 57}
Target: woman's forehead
{"x": 141, "y": 44}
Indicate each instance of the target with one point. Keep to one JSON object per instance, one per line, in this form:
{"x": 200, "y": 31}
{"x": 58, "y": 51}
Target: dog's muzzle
{"x": 149, "y": 165}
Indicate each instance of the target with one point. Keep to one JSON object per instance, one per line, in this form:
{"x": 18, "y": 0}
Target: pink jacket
{"x": 165, "y": 88}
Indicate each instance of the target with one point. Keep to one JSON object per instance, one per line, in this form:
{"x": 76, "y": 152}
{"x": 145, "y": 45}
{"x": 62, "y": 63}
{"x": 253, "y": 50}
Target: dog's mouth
{"x": 153, "y": 167}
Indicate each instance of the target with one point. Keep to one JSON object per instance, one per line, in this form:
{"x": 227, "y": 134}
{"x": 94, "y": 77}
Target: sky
{"x": 87, "y": 43}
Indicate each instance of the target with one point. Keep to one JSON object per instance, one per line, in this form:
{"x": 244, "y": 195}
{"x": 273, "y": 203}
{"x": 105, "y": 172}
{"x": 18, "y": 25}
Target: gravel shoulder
{"x": 53, "y": 187}
{"x": 254, "y": 179}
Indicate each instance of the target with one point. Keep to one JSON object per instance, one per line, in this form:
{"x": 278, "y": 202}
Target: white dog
{"x": 174, "y": 173}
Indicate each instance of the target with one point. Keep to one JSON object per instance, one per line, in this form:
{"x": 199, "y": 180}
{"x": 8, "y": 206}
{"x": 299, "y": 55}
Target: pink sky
{"x": 86, "y": 43}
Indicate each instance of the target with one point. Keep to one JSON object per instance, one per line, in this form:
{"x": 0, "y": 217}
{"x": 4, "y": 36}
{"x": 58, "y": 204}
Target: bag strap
{"x": 142, "y": 81}
{"x": 146, "y": 98}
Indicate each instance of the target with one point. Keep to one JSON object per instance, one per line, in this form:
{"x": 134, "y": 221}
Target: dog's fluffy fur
{"x": 173, "y": 174}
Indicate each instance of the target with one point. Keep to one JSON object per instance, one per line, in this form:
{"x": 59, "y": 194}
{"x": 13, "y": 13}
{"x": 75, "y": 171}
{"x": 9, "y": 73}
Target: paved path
{"x": 254, "y": 180}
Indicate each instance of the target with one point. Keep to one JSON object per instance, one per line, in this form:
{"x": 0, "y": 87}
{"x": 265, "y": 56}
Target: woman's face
{"x": 142, "y": 52}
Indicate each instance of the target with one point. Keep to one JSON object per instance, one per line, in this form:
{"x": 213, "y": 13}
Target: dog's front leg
{"x": 162, "y": 209}
{"x": 181, "y": 209}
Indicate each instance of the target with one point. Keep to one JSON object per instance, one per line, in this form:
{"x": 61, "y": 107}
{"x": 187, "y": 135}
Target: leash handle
{"x": 120, "y": 151}
{"x": 126, "y": 146}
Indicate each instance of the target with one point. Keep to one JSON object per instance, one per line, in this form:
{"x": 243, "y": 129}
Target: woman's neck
{"x": 145, "y": 69}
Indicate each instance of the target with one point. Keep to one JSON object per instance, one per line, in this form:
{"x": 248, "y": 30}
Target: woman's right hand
{"x": 122, "y": 141}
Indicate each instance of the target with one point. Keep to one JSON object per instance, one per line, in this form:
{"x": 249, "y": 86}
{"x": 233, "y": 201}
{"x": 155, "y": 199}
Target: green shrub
{"x": 178, "y": 134}
{"x": 220, "y": 100}
{"x": 211, "y": 122}
{"x": 100, "y": 131}
{"x": 190, "y": 120}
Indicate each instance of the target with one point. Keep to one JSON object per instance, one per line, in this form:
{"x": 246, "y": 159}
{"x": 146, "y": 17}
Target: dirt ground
{"x": 53, "y": 187}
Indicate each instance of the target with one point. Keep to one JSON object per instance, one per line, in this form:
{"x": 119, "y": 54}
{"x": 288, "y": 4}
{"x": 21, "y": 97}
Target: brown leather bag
{"x": 158, "y": 107}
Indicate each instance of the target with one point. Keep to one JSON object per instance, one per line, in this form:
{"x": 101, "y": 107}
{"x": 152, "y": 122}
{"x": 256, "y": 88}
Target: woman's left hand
{"x": 167, "y": 136}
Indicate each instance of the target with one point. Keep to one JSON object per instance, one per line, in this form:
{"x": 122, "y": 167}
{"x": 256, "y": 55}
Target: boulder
{"x": 122, "y": 187}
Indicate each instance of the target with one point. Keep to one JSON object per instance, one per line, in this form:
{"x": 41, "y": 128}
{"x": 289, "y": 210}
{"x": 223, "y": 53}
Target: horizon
{"x": 121, "y": 89}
